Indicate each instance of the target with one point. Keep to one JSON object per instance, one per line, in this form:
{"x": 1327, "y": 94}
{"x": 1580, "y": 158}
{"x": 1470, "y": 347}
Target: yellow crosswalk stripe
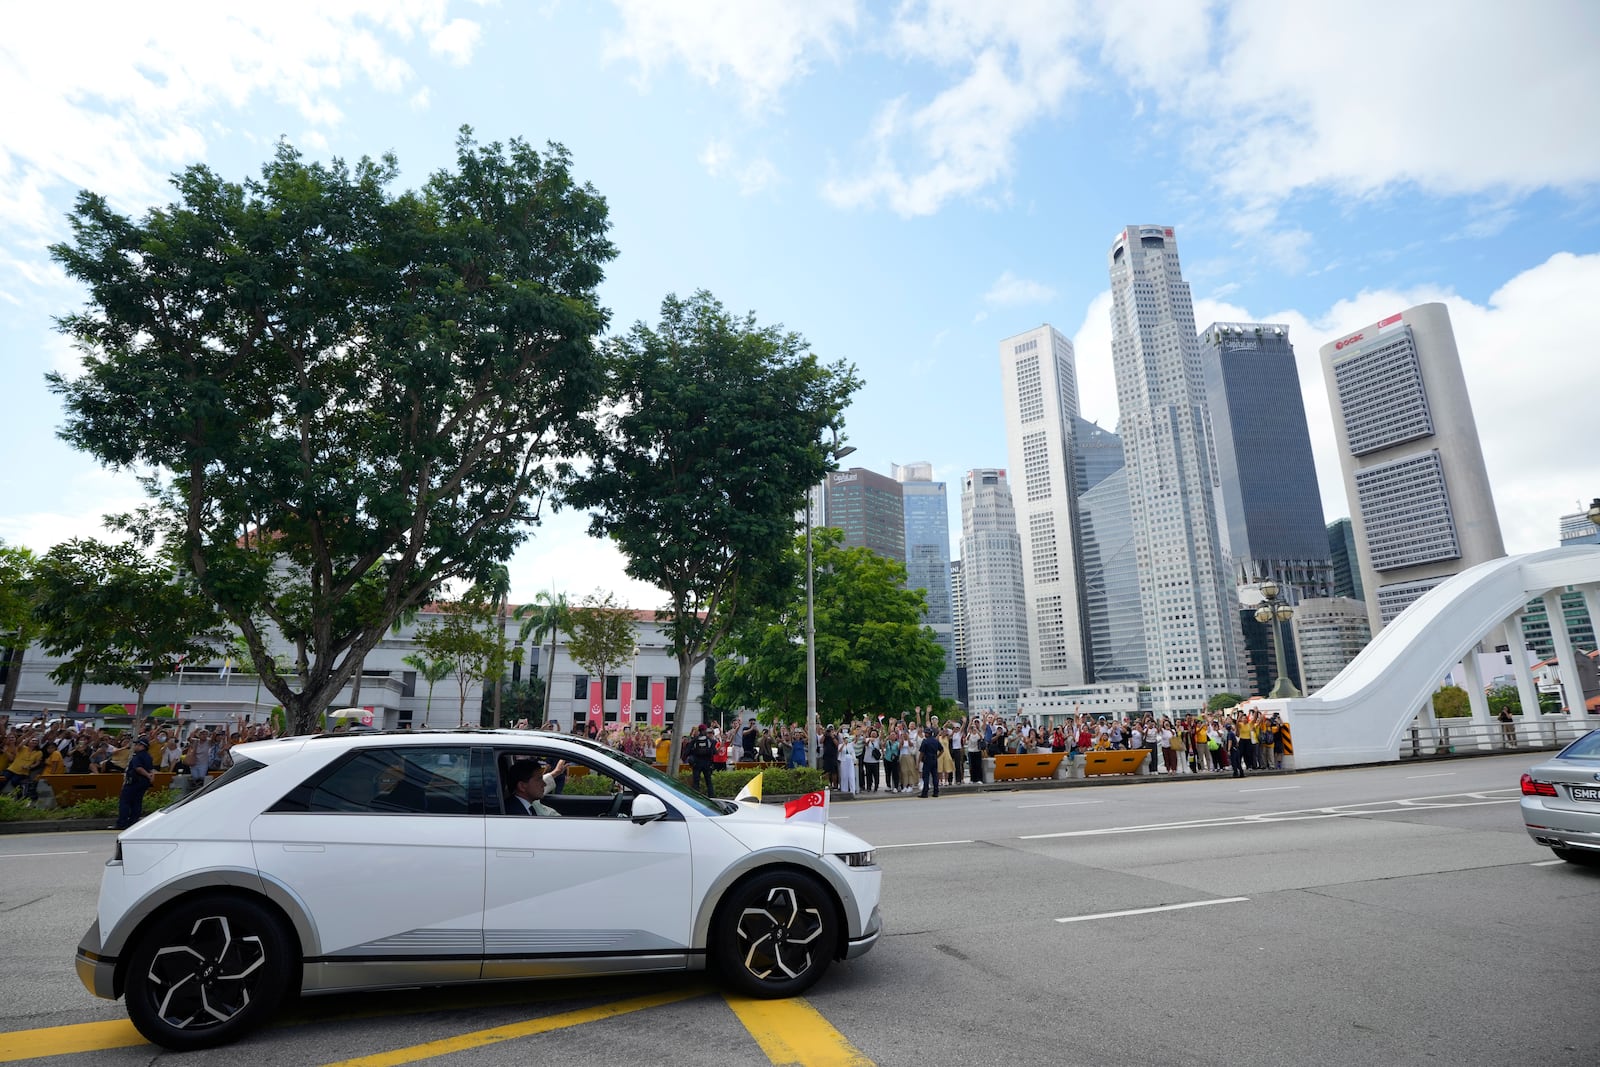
{"x": 495, "y": 1035}
{"x": 60, "y": 1040}
{"x": 794, "y": 1034}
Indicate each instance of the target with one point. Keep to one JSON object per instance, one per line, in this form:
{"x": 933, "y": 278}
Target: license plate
{"x": 1586, "y": 792}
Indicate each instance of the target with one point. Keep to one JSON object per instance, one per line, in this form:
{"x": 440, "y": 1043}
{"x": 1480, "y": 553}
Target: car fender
{"x": 115, "y": 941}
{"x": 781, "y": 856}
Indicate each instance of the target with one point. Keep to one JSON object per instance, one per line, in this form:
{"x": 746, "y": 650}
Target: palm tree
{"x": 498, "y": 586}
{"x": 432, "y": 671}
{"x": 546, "y": 616}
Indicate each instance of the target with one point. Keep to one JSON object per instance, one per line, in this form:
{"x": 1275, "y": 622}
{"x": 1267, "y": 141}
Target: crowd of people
{"x": 886, "y": 754}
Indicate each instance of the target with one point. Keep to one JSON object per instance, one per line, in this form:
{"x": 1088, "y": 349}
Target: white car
{"x": 368, "y": 861}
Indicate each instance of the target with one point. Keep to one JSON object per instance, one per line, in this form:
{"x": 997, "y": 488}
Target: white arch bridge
{"x": 1363, "y": 714}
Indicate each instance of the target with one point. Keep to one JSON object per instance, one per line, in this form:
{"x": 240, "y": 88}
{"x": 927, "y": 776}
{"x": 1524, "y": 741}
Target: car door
{"x": 384, "y": 848}
{"x": 587, "y": 891}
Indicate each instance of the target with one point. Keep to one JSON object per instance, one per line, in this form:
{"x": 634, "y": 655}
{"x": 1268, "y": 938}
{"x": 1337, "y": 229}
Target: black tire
{"x": 208, "y": 972}
{"x": 775, "y": 934}
{"x": 1581, "y": 856}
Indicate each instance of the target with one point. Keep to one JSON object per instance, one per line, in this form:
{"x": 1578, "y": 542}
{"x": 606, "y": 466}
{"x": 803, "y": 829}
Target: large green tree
{"x": 348, "y": 396}
{"x": 116, "y": 614}
{"x": 715, "y": 431}
{"x": 461, "y": 639}
{"x": 874, "y": 653}
{"x": 602, "y": 637}
{"x": 16, "y": 616}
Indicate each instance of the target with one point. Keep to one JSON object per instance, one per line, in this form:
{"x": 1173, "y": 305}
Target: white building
{"x": 1328, "y": 633}
{"x": 1186, "y": 587}
{"x": 998, "y": 665}
{"x": 223, "y": 690}
{"x": 1420, "y": 503}
{"x": 1040, "y": 386}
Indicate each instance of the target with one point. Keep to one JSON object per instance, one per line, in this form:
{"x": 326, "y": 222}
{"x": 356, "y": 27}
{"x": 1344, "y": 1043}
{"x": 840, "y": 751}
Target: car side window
{"x": 582, "y": 790}
{"x": 406, "y": 780}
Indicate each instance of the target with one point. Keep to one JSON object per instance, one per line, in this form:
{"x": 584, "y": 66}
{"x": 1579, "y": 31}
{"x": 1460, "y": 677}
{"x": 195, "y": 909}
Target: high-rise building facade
{"x": 1420, "y": 503}
{"x": 1346, "y": 562}
{"x": 1579, "y": 529}
{"x": 927, "y": 538}
{"x": 1328, "y": 633}
{"x": 1039, "y": 384}
{"x": 998, "y": 663}
{"x": 1273, "y": 508}
{"x": 958, "y": 608}
{"x": 1112, "y": 608}
{"x": 868, "y": 507}
{"x": 1186, "y": 588}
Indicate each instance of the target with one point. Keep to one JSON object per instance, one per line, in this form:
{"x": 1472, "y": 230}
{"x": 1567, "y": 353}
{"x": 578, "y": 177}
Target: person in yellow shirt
{"x": 54, "y": 761}
{"x": 24, "y": 760}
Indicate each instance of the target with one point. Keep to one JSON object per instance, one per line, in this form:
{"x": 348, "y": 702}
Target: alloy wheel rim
{"x": 208, "y": 979}
{"x": 777, "y": 937}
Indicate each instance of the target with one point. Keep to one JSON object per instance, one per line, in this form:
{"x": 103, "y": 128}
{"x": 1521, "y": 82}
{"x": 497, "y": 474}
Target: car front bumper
{"x": 860, "y": 946}
{"x": 97, "y": 973}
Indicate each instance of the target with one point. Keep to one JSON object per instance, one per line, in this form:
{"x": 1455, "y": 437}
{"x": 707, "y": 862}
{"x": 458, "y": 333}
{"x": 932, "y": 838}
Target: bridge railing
{"x": 1459, "y": 736}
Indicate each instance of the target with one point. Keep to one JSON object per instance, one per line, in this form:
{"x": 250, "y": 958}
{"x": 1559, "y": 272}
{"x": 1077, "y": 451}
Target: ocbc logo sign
{"x": 1352, "y": 339}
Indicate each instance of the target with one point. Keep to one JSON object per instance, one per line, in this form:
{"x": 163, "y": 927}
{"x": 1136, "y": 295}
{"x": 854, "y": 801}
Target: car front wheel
{"x": 207, "y": 972}
{"x": 776, "y": 934}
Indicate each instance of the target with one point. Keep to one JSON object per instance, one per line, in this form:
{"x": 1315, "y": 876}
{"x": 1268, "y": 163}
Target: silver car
{"x": 1561, "y": 801}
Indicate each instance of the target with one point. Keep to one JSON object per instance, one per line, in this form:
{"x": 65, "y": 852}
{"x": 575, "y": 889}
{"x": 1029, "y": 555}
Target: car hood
{"x": 759, "y": 826}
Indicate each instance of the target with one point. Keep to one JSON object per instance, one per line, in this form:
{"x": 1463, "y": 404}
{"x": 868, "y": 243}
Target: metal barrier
{"x": 1459, "y": 736}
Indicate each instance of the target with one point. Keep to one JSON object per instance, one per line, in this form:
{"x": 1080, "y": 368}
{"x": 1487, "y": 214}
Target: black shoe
{"x": 922, "y": 796}
{"x": 936, "y": 794}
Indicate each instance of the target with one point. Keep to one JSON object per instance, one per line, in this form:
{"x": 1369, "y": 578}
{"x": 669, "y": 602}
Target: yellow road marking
{"x": 60, "y": 1040}
{"x": 794, "y": 1034}
{"x": 497, "y": 1034}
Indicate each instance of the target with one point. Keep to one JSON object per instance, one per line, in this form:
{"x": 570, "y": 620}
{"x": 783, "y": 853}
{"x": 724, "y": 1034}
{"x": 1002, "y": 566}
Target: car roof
{"x": 278, "y": 747}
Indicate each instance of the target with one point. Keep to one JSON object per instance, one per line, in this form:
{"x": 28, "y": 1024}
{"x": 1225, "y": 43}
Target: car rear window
{"x": 1585, "y": 747}
{"x": 409, "y": 780}
{"x": 239, "y": 770}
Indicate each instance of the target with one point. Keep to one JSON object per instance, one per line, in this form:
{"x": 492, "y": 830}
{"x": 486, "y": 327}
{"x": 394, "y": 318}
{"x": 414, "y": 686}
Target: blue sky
{"x": 904, "y": 184}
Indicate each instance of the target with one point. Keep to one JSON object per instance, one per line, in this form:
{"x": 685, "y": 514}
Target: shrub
{"x": 114, "y": 709}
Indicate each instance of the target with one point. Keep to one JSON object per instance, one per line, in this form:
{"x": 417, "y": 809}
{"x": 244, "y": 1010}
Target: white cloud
{"x": 117, "y": 109}
{"x": 456, "y": 40}
{"x": 760, "y": 45}
{"x": 752, "y": 176}
{"x": 562, "y": 556}
{"x": 1009, "y": 290}
{"x": 1525, "y": 358}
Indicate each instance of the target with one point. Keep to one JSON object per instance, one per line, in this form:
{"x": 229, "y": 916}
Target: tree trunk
{"x": 499, "y": 674}
{"x": 685, "y": 665}
{"x": 550, "y": 673}
{"x": 75, "y": 694}
{"x": 8, "y": 697}
{"x": 355, "y": 683}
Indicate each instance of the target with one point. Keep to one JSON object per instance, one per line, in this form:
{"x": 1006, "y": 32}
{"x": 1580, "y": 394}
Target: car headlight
{"x": 859, "y": 859}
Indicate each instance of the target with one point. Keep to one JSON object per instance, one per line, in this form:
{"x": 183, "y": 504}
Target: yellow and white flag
{"x": 751, "y": 790}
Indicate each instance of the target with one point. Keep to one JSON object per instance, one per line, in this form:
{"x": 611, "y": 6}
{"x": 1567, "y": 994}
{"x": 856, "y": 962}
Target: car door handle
{"x": 304, "y": 848}
{"x": 514, "y": 853}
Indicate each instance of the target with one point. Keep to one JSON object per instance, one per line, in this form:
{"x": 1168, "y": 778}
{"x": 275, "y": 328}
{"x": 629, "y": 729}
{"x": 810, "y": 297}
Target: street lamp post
{"x": 814, "y": 750}
{"x": 1277, "y": 612}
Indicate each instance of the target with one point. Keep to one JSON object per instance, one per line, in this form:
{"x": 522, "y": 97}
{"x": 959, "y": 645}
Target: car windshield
{"x": 1585, "y": 747}
{"x": 701, "y": 803}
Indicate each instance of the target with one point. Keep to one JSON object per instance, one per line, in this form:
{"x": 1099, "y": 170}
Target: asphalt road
{"x": 1388, "y": 915}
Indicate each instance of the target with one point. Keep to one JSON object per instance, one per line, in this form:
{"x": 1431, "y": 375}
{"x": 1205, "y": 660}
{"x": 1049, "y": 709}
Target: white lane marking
{"x": 1063, "y": 804}
{"x": 29, "y": 855}
{"x": 1148, "y": 911}
{"x": 1546, "y": 863}
{"x": 1440, "y": 774}
{"x": 1269, "y": 789}
{"x": 925, "y": 844}
{"x": 1267, "y": 818}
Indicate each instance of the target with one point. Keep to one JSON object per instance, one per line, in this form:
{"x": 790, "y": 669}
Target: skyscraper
{"x": 998, "y": 664}
{"x": 1413, "y": 469}
{"x": 927, "y": 540}
{"x": 1114, "y": 626}
{"x": 1270, "y": 498}
{"x": 1328, "y": 633}
{"x": 1346, "y": 561}
{"x": 868, "y": 508}
{"x": 1186, "y": 589}
{"x": 1040, "y": 388}
{"x": 958, "y": 608}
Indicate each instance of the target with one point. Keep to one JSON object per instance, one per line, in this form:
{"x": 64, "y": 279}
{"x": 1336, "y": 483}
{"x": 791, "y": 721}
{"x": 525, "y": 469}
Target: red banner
{"x": 596, "y": 704}
{"x": 658, "y": 703}
{"x": 625, "y": 701}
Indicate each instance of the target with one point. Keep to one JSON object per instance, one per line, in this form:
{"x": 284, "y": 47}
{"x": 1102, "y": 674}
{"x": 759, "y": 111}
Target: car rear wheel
{"x": 1581, "y": 856}
{"x": 208, "y": 972}
{"x": 775, "y": 934}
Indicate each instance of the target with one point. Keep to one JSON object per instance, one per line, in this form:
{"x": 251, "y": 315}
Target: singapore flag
{"x": 813, "y": 807}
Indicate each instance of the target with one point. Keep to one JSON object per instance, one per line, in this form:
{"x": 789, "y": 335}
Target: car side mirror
{"x": 647, "y": 808}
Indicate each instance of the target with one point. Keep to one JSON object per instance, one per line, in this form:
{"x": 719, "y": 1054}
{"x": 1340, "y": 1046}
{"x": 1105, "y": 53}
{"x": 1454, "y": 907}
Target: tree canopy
{"x": 874, "y": 654}
{"x": 347, "y": 397}
{"x": 714, "y": 435}
{"x": 602, "y": 636}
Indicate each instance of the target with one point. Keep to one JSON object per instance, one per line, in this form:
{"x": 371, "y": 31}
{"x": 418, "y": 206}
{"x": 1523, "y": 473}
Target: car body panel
{"x": 1571, "y": 818}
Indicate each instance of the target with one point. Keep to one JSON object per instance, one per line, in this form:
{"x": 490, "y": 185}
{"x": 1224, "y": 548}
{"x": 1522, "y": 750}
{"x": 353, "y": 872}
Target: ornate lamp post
{"x": 1277, "y": 612}
{"x": 836, "y": 452}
